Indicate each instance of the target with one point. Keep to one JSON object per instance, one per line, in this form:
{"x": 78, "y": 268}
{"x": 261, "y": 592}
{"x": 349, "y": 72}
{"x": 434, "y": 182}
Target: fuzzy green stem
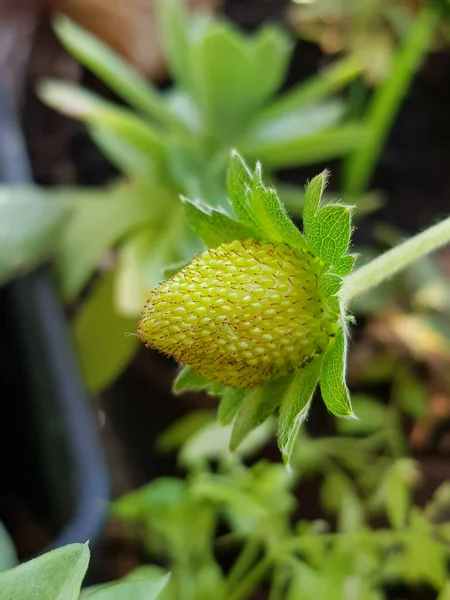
{"x": 395, "y": 260}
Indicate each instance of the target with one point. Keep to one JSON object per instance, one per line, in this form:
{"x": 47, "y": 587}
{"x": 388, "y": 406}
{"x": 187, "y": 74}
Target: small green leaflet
{"x": 239, "y": 180}
{"x": 212, "y": 226}
{"x": 312, "y": 199}
{"x": 230, "y": 403}
{"x": 329, "y": 232}
{"x": 189, "y": 380}
{"x": 271, "y": 216}
{"x": 295, "y": 405}
{"x": 56, "y": 575}
{"x": 328, "y": 228}
{"x": 135, "y": 587}
{"x": 334, "y": 390}
{"x": 329, "y": 285}
{"x": 259, "y": 403}
{"x": 259, "y": 206}
{"x": 344, "y": 265}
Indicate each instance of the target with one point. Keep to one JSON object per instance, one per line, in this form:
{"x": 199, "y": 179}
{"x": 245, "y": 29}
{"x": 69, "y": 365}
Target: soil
{"x": 413, "y": 174}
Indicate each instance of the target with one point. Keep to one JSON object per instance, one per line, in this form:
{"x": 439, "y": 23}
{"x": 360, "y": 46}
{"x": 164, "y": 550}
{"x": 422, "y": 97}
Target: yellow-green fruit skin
{"x": 241, "y": 314}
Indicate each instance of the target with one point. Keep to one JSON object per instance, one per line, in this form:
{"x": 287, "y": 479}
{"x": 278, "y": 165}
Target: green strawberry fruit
{"x": 242, "y": 314}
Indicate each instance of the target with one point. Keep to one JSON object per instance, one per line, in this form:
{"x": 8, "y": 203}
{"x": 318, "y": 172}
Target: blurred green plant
{"x": 30, "y": 230}
{"x": 370, "y": 32}
{"x": 363, "y": 480}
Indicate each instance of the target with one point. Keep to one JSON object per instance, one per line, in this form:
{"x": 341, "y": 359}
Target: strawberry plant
{"x": 261, "y": 318}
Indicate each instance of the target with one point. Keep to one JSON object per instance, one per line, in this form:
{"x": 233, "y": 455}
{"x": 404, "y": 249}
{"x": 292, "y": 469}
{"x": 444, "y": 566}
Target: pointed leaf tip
{"x": 335, "y": 393}
{"x": 295, "y": 406}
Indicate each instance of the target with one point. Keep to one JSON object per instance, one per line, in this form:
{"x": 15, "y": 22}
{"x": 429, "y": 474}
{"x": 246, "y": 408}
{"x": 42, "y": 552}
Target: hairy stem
{"x": 395, "y": 260}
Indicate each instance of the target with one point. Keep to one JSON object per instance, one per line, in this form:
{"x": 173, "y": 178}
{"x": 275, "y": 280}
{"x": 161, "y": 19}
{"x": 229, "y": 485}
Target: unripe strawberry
{"x": 241, "y": 314}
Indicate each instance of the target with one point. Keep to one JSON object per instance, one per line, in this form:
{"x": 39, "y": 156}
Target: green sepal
{"x": 271, "y": 216}
{"x": 330, "y": 231}
{"x": 329, "y": 286}
{"x": 230, "y": 403}
{"x": 334, "y": 390}
{"x": 259, "y": 403}
{"x": 188, "y": 380}
{"x": 344, "y": 265}
{"x": 239, "y": 180}
{"x": 312, "y": 200}
{"x": 295, "y": 406}
{"x": 212, "y": 226}
{"x": 327, "y": 228}
{"x": 191, "y": 381}
{"x": 258, "y": 206}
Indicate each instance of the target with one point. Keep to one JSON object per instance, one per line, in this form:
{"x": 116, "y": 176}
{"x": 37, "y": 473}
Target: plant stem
{"x": 394, "y": 260}
{"x": 277, "y": 588}
{"x": 244, "y": 561}
{"x": 387, "y": 100}
{"x": 249, "y": 582}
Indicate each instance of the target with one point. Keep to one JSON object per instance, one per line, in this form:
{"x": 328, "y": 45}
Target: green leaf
{"x": 330, "y": 231}
{"x": 8, "y": 556}
{"x": 126, "y": 159}
{"x": 99, "y": 220}
{"x": 295, "y": 406}
{"x": 133, "y": 587}
{"x": 112, "y": 70}
{"x": 179, "y": 432}
{"x": 230, "y": 403}
{"x": 30, "y": 229}
{"x": 329, "y": 285}
{"x": 283, "y": 131}
{"x": 272, "y": 218}
{"x": 228, "y": 66}
{"x": 130, "y": 142}
{"x": 212, "y": 226}
{"x": 344, "y": 265}
{"x": 425, "y": 556}
{"x": 371, "y": 416}
{"x": 79, "y": 103}
{"x": 142, "y": 258}
{"x": 398, "y": 491}
{"x": 239, "y": 180}
{"x": 188, "y": 380}
{"x": 334, "y": 390}
{"x": 339, "y": 496}
{"x": 173, "y": 26}
{"x": 56, "y": 575}
{"x": 314, "y": 89}
{"x": 333, "y": 142}
{"x": 102, "y": 336}
{"x": 259, "y": 403}
{"x": 141, "y": 503}
{"x": 312, "y": 200}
